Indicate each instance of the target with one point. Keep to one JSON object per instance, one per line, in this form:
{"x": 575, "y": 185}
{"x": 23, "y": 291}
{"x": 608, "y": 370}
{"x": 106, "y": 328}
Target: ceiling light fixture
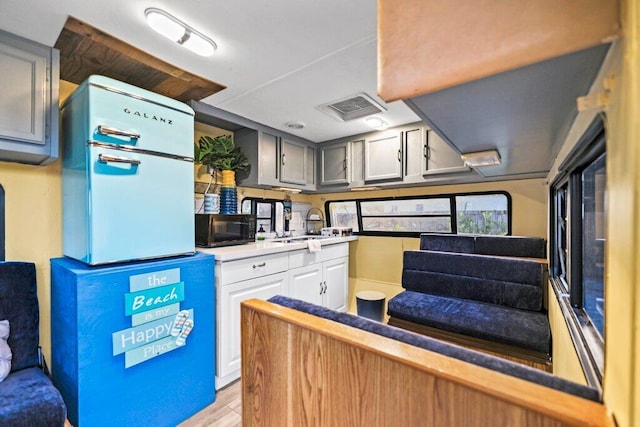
{"x": 181, "y": 33}
{"x": 481, "y": 158}
{"x": 376, "y": 123}
{"x": 287, "y": 189}
{"x": 365, "y": 188}
{"x": 295, "y": 125}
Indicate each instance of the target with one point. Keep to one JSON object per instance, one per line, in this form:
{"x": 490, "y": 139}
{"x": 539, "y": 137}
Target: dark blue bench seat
{"x": 524, "y": 329}
{"x": 487, "y": 292}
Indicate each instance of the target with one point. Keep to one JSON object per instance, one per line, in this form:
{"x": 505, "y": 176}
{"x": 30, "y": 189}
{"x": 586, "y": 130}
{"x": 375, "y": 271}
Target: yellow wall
{"x": 201, "y": 174}
{"x": 376, "y": 262}
{"x": 33, "y": 229}
{"x": 33, "y": 223}
{"x": 622, "y": 276}
{"x": 565, "y": 359}
{"x": 529, "y": 199}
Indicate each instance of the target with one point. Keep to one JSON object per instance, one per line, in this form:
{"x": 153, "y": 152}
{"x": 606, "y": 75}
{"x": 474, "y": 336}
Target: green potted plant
{"x": 221, "y": 154}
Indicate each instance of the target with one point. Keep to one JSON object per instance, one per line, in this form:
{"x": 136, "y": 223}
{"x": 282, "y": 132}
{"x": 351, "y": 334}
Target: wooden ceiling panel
{"x": 85, "y": 50}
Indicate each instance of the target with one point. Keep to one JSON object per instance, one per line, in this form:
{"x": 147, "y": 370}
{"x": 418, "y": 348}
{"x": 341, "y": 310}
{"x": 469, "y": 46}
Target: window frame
{"x": 255, "y": 200}
{"x": 569, "y": 290}
{"x": 452, "y": 213}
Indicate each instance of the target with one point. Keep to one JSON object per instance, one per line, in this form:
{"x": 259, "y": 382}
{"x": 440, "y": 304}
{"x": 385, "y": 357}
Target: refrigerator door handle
{"x": 106, "y": 130}
{"x": 106, "y": 158}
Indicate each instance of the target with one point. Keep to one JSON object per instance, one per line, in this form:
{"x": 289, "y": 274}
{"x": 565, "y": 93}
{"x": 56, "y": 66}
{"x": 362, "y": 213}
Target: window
{"x": 578, "y": 244}
{"x": 268, "y": 212}
{"x": 412, "y": 215}
{"x": 343, "y": 214}
{"x": 593, "y": 239}
{"x": 474, "y": 213}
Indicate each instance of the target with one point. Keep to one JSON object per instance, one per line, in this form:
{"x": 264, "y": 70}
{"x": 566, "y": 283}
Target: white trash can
{"x": 370, "y": 304}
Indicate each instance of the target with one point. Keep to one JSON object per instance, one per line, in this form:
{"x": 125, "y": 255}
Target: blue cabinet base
{"x": 114, "y": 359}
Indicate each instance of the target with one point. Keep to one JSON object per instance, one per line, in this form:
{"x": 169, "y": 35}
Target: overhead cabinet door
{"x": 335, "y": 164}
{"x": 28, "y": 101}
{"x": 383, "y": 157}
{"x": 292, "y": 162}
{"x": 22, "y": 116}
{"x": 441, "y": 158}
{"x": 415, "y": 152}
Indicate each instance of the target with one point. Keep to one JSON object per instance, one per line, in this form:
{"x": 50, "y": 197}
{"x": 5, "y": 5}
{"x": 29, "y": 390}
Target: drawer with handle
{"x": 250, "y": 268}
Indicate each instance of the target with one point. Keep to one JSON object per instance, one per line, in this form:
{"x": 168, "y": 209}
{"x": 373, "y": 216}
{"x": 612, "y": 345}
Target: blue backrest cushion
{"x": 478, "y": 266}
{"x": 514, "y": 246}
{"x": 530, "y": 247}
{"x": 19, "y": 305}
{"x": 511, "y": 282}
{"x": 447, "y": 243}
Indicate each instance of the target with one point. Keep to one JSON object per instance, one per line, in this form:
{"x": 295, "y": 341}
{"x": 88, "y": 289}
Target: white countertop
{"x": 265, "y": 247}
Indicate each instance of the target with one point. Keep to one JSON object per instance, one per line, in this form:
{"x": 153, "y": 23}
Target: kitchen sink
{"x": 299, "y": 239}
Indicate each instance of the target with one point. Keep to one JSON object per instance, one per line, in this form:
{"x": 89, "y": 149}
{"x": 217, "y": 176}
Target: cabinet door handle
{"x": 283, "y": 159}
{"x": 400, "y": 155}
{"x": 325, "y": 287}
{"x": 106, "y": 158}
{"x": 425, "y": 151}
{"x": 106, "y": 130}
{"x": 321, "y": 289}
{"x": 262, "y": 264}
{"x": 344, "y": 164}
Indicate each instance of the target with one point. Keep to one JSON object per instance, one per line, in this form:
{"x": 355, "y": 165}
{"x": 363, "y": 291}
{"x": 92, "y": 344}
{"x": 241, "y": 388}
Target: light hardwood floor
{"x": 226, "y": 411}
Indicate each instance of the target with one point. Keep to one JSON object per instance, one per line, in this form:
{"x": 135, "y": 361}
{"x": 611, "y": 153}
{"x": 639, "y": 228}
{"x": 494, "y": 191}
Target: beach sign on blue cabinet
{"x": 134, "y": 343}
{"x": 158, "y": 323}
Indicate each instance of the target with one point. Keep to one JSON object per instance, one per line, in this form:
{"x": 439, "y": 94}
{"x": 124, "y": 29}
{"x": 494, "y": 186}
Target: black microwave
{"x": 214, "y": 230}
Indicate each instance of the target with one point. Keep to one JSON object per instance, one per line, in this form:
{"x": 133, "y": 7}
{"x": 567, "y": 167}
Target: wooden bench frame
{"x": 515, "y": 354}
{"x": 299, "y": 369}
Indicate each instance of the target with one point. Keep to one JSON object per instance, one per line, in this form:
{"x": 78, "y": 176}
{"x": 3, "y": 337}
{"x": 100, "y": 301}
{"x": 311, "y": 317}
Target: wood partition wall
{"x": 300, "y": 370}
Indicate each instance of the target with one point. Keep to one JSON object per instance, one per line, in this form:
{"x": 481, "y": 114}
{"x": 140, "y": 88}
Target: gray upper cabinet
{"x": 310, "y": 168}
{"x": 428, "y": 154}
{"x": 29, "y": 85}
{"x": 441, "y": 158}
{"x": 334, "y": 164}
{"x": 261, "y": 148}
{"x": 357, "y": 162}
{"x": 292, "y": 162}
{"x": 415, "y": 145}
{"x": 383, "y": 156}
{"x": 275, "y": 160}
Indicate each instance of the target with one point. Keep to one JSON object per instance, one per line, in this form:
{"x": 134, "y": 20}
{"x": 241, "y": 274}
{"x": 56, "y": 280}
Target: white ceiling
{"x": 279, "y": 59}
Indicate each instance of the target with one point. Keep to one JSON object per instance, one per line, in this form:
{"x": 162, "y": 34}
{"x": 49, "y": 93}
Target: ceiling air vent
{"x": 355, "y": 107}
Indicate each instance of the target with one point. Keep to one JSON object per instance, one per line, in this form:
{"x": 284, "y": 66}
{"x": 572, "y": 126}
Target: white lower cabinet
{"x": 335, "y": 277}
{"x": 323, "y": 278}
{"x": 236, "y": 281}
{"x": 319, "y": 277}
{"x": 305, "y": 283}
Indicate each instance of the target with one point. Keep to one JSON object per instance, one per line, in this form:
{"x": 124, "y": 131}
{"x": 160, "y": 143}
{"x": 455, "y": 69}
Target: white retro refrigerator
{"x": 127, "y": 176}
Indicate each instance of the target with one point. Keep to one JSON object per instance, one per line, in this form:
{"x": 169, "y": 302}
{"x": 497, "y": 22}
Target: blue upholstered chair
{"x": 27, "y": 395}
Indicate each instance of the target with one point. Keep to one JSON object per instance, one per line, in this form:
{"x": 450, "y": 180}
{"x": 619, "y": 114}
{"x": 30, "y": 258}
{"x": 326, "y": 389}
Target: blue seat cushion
{"x": 28, "y": 398}
{"x": 19, "y": 304}
{"x": 519, "y": 328}
{"x": 450, "y": 350}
